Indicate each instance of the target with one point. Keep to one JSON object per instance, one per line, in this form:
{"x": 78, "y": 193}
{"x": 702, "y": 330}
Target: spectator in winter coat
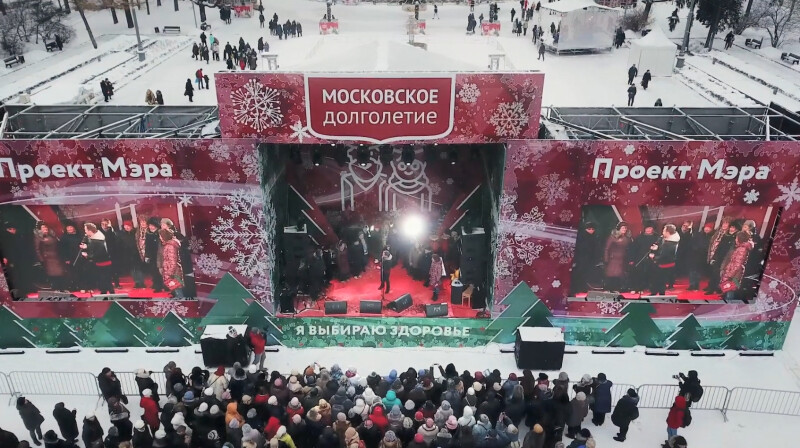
{"x": 690, "y": 387}
{"x": 379, "y": 419}
{"x": 632, "y": 72}
{"x": 370, "y": 434}
{"x": 391, "y": 400}
{"x": 428, "y": 431}
{"x": 390, "y": 440}
{"x": 482, "y": 428}
{"x": 110, "y": 385}
{"x": 51, "y": 440}
{"x": 675, "y": 417}
{"x": 646, "y": 79}
{"x": 507, "y": 432}
{"x": 142, "y": 438}
{"x": 188, "y": 89}
{"x": 442, "y": 414}
{"x": 467, "y": 419}
{"x": 92, "y": 431}
{"x": 150, "y": 413}
{"x": 534, "y": 438}
{"x": 340, "y": 426}
{"x": 677, "y": 442}
{"x": 579, "y": 411}
{"x": 31, "y": 418}
{"x": 631, "y": 94}
{"x": 624, "y": 413}
{"x": 67, "y": 423}
{"x": 351, "y": 438}
{"x": 7, "y": 438}
{"x": 580, "y": 438}
{"x": 602, "y": 399}
{"x": 112, "y": 440}
{"x": 233, "y": 414}
{"x": 561, "y": 385}
{"x": 515, "y": 405}
{"x": 395, "y": 418}
{"x": 234, "y": 433}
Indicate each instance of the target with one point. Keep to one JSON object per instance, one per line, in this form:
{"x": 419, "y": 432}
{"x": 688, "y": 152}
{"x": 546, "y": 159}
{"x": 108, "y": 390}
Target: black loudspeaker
{"x": 286, "y": 300}
{"x": 401, "y": 303}
{"x": 335, "y": 307}
{"x": 436, "y": 310}
{"x": 370, "y": 307}
{"x": 539, "y": 348}
{"x": 474, "y": 256}
{"x": 456, "y": 289}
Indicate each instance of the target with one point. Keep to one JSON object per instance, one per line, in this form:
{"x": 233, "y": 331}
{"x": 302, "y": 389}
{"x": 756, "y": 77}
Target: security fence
{"x": 651, "y": 396}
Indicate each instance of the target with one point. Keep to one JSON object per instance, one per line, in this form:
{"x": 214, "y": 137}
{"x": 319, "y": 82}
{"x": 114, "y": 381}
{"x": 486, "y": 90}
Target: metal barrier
{"x": 618, "y": 391}
{"x": 53, "y": 383}
{"x": 763, "y": 401}
{"x": 658, "y": 396}
{"x": 130, "y": 388}
{"x": 5, "y": 385}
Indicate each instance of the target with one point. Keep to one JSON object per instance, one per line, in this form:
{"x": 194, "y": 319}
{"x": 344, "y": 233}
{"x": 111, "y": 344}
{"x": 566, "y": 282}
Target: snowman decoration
{"x": 407, "y": 179}
{"x": 363, "y": 177}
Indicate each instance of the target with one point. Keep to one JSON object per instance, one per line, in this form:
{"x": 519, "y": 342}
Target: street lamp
{"x": 139, "y": 48}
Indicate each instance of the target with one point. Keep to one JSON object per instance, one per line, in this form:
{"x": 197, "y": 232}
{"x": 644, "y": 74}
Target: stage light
{"x": 362, "y": 156}
{"x": 316, "y": 156}
{"x": 408, "y": 155}
{"x": 453, "y": 156}
{"x": 413, "y": 226}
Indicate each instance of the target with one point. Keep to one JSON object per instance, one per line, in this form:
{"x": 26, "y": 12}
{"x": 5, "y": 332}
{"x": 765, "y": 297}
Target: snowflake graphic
{"x": 208, "y": 264}
{"x": 163, "y": 307}
{"x": 256, "y": 105}
{"x": 17, "y": 191}
{"x": 195, "y": 244}
{"x": 436, "y": 188}
{"x": 605, "y": 193}
{"x": 246, "y": 233}
{"x": 516, "y": 248}
{"x": 552, "y": 189}
{"x": 773, "y": 284}
{"x": 634, "y": 188}
{"x": 47, "y": 191}
{"x": 751, "y": 196}
{"x": 562, "y": 251}
{"x": 449, "y": 181}
{"x": 791, "y": 194}
{"x": 797, "y": 244}
{"x": 509, "y": 119}
{"x": 764, "y": 303}
{"x": 219, "y": 152}
{"x": 565, "y": 215}
{"x": 250, "y": 164}
{"x": 610, "y": 307}
{"x": 630, "y": 149}
{"x": 233, "y": 176}
{"x": 299, "y": 131}
{"x": 535, "y": 288}
{"x": 556, "y": 283}
{"x": 187, "y": 174}
{"x": 469, "y": 93}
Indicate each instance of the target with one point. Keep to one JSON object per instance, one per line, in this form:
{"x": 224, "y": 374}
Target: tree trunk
{"x": 128, "y": 16}
{"x": 66, "y": 6}
{"x": 158, "y": 2}
{"x": 648, "y": 4}
{"x": 712, "y": 30}
{"x": 3, "y": 7}
{"x": 202, "y": 13}
{"x": 147, "y": 4}
{"x": 86, "y": 24}
{"x": 114, "y": 16}
{"x": 176, "y": 5}
{"x": 741, "y": 25}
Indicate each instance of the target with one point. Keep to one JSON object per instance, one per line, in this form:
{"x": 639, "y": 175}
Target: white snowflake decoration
{"x": 764, "y": 303}
{"x": 233, "y": 176}
{"x": 516, "y": 248}
{"x": 610, "y": 307}
{"x": 630, "y": 149}
{"x": 195, "y": 244}
{"x": 751, "y": 196}
{"x": 159, "y": 307}
{"x": 219, "y": 152}
{"x": 17, "y": 191}
{"x": 556, "y": 283}
{"x": 552, "y": 189}
{"x": 509, "y": 119}
{"x": 535, "y": 288}
{"x": 299, "y": 131}
{"x": 187, "y": 174}
{"x": 791, "y": 194}
{"x": 208, "y": 264}
{"x": 246, "y": 233}
{"x": 449, "y": 181}
{"x": 773, "y": 284}
{"x": 250, "y": 164}
{"x": 562, "y": 252}
{"x": 797, "y": 244}
{"x": 565, "y": 215}
{"x": 436, "y": 188}
{"x": 46, "y": 191}
{"x": 469, "y": 93}
{"x": 634, "y": 188}
{"x": 257, "y": 105}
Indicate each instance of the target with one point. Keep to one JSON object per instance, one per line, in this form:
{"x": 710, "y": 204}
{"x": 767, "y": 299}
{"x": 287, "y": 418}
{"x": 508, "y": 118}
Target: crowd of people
{"x": 92, "y": 258}
{"x": 729, "y": 257}
{"x": 336, "y": 408}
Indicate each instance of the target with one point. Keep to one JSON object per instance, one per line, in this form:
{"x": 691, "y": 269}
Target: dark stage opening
{"x": 384, "y": 229}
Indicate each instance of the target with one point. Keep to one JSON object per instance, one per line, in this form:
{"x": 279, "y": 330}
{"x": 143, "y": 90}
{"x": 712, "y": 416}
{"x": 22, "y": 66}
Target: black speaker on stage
{"x": 436, "y": 310}
{"x": 474, "y": 256}
{"x": 456, "y": 289}
{"x": 286, "y": 300}
{"x": 539, "y": 348}
{"x": 401, "y": 303}
{"x": 370, "y": 307}
{"x": 336, "y": 307}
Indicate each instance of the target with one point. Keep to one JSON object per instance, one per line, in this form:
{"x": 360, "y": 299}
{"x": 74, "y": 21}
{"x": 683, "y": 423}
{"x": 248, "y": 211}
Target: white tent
{"x": 654, "y": 52}
{"x": 583, "y": 26}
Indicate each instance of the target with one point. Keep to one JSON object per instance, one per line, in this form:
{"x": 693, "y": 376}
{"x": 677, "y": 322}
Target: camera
{"x": 677, "y": 377}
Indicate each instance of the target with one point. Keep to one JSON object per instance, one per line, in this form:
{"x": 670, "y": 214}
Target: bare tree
{"x": 79, "y": 6}
{"x": 752, "y": 16}
{"x": 780, "y": 18}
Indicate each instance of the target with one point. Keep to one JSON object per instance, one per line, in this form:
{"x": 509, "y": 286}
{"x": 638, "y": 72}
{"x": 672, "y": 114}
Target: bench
{"x": 11, "y": 60}
{"x": 752, "y": 43}
{"x": 792, "y": 58}
{"x": 171, "y": 29}
{"x": 50, "y": 46}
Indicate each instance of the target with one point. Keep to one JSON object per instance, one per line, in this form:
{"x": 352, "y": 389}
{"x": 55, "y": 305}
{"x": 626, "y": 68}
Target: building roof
{"x": 655, "y": 39}
{"x": 573, "y": 5}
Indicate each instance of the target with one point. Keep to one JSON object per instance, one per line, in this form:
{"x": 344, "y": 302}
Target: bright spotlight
{"x": 413, "y": 226}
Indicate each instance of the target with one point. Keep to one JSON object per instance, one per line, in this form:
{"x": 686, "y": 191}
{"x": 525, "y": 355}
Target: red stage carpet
{"x": 680, "y": 290}
{"x": 126, "y": 287}
{"x": 355, "y": 290}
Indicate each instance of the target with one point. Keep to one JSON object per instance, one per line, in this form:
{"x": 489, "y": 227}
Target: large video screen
{"x": 96, "y": 251}
{"x": 683, "y": 252}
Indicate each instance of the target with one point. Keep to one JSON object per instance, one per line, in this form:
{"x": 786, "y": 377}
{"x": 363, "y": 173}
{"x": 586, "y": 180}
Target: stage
{"x": 126, "y": 287}
{"x": 354, "y": 290}
{"x": 681, "y": 291}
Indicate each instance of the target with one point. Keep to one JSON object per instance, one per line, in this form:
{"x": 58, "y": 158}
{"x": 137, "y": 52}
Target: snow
{"x": 656, "y": 39}
{"x": 572, "y": 5}
{"x": 536, "y": 334}
{"x": 219, "y": 332}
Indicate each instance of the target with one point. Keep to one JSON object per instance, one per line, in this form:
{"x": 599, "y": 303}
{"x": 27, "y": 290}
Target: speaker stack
{"x": 436, "y": 310}
{"x": 473, "y": 256}
{"x": 335, "y": 307}
{"x": 370, "y": 307}
{"x": 402, "y": 303}
{"x": 296, "y": 245}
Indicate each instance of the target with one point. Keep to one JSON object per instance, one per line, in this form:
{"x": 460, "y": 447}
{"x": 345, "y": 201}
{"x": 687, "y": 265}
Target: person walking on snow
{"x": 646, "y": 79}
{"x": 632, "y": 72}
{"x": 195, "y": 50}
{"x": 624, "y": 413}
{"x": 261, "y": 20}
{"x": 189, "y": 90}
{"x": 67, "y": 423}
{"x": 203, "y": 37}
{"x": 631, "y": 94}
{"x": 675, "y": 418}
{"x": 513, "y": 13}
{"x": 541, "y": 52}
{"x": 729, "y": 40}
{"x": 198, "y": 78}
{"x": 435, "y": 12}
{"x": 31, "y": 418}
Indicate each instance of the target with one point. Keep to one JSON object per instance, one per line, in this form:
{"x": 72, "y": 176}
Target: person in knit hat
{"x": 535, "y": 437}
{"x": 351, "y": 438}
{"x": 273, "y": 424}
{"x": 340, "y": 426}
{"x": 234, "y": 433}
{"x": 141, "y": 435}
{"x": 253, "y": 419}
{"x": 428, "y": 431}
{"x": 358, "y": 413}
{"x": 409, "y": 409}
{"x": 580, "y": 438}
{"x": 418, "y": 442}
{"x": 160, "y": 439}
{"x": 233, "y": 413}
{"x": 369, "y": 433}
{"x": 294, "y": 408}
{"x": 451, "y": 424}
{"x": 467, "y": 418}
{"x": 443, "y": 413}
{"x": 150, "y": 413}
{"x": 325, "y": 411}
{"x": 561, "y": 385}
{"x": 284, "y": 437}
{"x": 390, "y": 440}
{"x": 482, "y": 428}
{"x": 428, "y": 409}
{"x": 275, "y": 409}
{"x": 507, "y": 432}
{"x": 395, "y": 418}
{"x": 444, "y": 438}
{"x": 579, "y": 410}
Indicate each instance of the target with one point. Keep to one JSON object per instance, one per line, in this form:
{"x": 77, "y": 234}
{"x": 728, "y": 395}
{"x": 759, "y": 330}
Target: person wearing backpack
{"x": 690, "y": 387}
{"x": 624, "y": 413}
{"x": 677, "y": 417}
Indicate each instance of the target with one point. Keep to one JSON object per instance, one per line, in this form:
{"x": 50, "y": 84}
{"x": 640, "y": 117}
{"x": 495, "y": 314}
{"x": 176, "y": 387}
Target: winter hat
{"x": 294, "y": 403}
{"x": 484, "y": 419}
{"x": 585, "y": 433}
{"x": 478, "y": 376}
{"x": 445, "y": 405}
{"x": 246, "y": 428}
{"x": 234, "y": 424}
{"x": 279, "y": 382}
{"x": 160, "y": 434}
{"x": 189, "y": 396}
{"x": 247, "y": 399}
{"x": 496, "y": 387}
{"x": 351, "y": 372}
{"x": 214, "y": 410}
{"x": 601, "y": 376}
{"x": 368, "y": 423}
{"x": 208, "y": 392}
{"x": 418, "y": 438}
{"x": 590, "y": 443}
{"x": 512, "y": 376}
{"x": 395, "y": 413}
{"x": 362, "y": 382}
{"x": 139, "y": 425}
{"x": 341, "y": 417}
{"x": 409, "y": 405}
{"x": 451, "y": 423}
{"x": 313, "y": 414}
{"x": 632, "y": 393}
{"x": 147, "y": 393}
{"x": 178, "y": 419}
{"x": 543, "y": 376}
{"x": 468, "y": 412}
{"x": 562, "y": 376}
{"x": 408, "y": 423}
{"x": 471, "y": 391}
{"x": 477, "y": 387}
{"x": 239, "y": 374}
{"x": 295, "y": 418}
{"x": 418, "y": 416}
{"x": 251, "y": 413}
{"x": 390, "y": 436}
{"x": 511, "y": 429}
{"x": 351, "y": 391}
{"x": 580, "y": 396}
{"x": 273, "y": 400}
{"x": 281, "y": 432}
{"x": 586, "y": 379}
{"x": 113, "y": 431}
{"x": 537, "y": 428}
{"x": 90, "y": 415}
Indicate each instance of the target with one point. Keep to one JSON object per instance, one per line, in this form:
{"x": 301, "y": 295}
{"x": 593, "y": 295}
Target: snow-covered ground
{"x": 589, "y": 80}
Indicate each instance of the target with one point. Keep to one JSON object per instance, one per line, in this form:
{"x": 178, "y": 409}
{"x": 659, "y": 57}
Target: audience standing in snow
{"x": 631, "y": 94}
{"x": 646, "y": 79}
{"x": 632, "y": 73}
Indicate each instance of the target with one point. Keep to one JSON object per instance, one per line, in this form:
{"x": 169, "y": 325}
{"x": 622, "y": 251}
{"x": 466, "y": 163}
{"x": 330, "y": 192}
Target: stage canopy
{"x": 584, "y": 26}
{"x": 654, "y": 52}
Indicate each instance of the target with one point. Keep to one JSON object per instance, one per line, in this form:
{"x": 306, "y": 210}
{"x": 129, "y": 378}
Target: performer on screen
{"x": 386, "y": 268}
{"x": 129, "y": 254}
{"x": 733, "y": 266}
{"x": 641, "y": 265}
{"x": 46, "y": 245}
{"x": 69, "y": 248}
{"x": 754, "y": 266}
{"x": 588, "y": 260}
{"x": 435, "y": 275}
{"x": 663, "y": 255}
{"x": 111, "y": 245}
{"x": 342, "y": 261}
{"x": 151, "y": 253}
{"x": 96, "y": 253}
{"x": 615, "y": 256}
{"x": 169, "y": 263}
{"x": 698, "y": 251}
{"x": 721, "y": 243}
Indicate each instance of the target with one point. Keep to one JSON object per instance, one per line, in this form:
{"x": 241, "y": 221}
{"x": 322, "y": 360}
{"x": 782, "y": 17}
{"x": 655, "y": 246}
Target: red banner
{"x": 380, "y": 110}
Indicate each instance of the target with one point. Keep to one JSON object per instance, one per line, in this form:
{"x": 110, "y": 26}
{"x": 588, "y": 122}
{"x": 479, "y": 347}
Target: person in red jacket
{"x": 379, "y": 419}
{"x": 294, "y": 408}
{"x": 273, "y": 424}
{"x": 258, "y": 342}
{"x": 675, "y": 416}
{"x": 150, "y": 415}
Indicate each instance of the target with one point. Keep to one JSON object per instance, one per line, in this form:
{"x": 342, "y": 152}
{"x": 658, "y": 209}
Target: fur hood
{"x": 675, "y": 237}
{"x": 98, "y": 236}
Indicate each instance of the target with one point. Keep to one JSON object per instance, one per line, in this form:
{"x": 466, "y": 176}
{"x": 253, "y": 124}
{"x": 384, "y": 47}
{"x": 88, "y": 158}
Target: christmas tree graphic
{"x": 12, "y": 333}
{"x": 231, "y": 306}
{"x": 735, "y": 340}
{"x": 117, "y": 328}
{"x": 66, "y": 337}
{"x": 172, "y": 332}
{"x": 539, "y": 315}
{"x": 523, "y": 308}
{"x": 259, "y": 317}
{"x": 686, "y": 336}
{"x": 638, "y": 325}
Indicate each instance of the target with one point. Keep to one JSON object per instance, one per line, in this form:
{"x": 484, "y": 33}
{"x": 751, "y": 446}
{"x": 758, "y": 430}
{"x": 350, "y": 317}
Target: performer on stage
{"x": 316, "y": 268}
{"x": 169, "y": 263}
{"x": 386, "y": 268}
{"x": 641, "y": 265}
{"x": 152, "y": 249}
{"x": 111, "y": 246}
{"x": 698, "y": 251}
{"x": 435, "y": 275}
{"x": 46, "y": 245}
{"x": 342, "y": 262}
{"x": 615, "y": 256}
{"x": 733, "y": 266}
{"x": 69, "y": 248}
{"x": 721, "y": 243}
{"x": 588, "y": 260}
{"x": 663, "y": 255}
{"x": 96, "y": 253}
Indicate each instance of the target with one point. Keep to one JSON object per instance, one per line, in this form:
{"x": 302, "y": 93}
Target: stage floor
{"x": 680, "y": 290}
{"x": 354, "y": 290}
{"x": 126, "y": 287}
